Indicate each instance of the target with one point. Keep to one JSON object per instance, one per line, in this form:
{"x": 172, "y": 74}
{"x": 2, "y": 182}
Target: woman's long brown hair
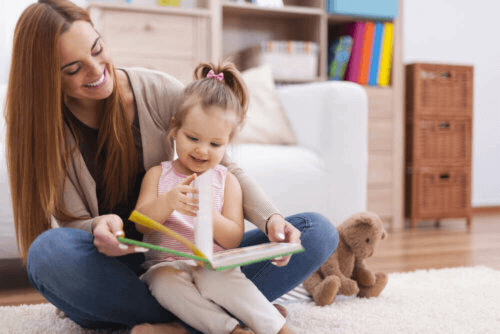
{"x": 38, "y": 152}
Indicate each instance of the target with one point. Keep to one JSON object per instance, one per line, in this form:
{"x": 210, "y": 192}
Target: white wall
{"x": 440, "y": 31}
{"x": 464, "y": 32}
{"x": 10, "y": 10}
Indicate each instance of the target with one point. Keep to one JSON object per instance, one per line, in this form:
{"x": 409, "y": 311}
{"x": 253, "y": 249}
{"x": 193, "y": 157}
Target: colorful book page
{"x": 139, "y": 218}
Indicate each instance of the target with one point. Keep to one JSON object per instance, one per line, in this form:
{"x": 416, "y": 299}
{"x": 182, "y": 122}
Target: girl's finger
{"x": 188, "y": 180}
{"x": 189, "y": 200}
{"x": 187, "y": 189}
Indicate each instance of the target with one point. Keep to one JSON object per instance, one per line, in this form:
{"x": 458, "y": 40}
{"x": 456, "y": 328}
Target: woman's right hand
{"x": 106, "y": 230}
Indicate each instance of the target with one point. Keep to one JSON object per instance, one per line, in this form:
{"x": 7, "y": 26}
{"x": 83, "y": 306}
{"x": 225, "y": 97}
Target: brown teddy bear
{"x": 344, "y": 272}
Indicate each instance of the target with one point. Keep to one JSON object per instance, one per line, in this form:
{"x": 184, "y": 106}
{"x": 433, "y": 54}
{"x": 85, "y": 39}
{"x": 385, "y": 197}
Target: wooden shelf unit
{"x": 213, "y": 29}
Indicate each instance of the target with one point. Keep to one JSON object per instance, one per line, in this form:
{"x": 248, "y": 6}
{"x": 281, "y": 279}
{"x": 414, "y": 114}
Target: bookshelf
{"x": 175, "y": 39}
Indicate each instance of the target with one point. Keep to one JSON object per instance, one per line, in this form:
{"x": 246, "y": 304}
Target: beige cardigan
{"x": 156, "y": 95}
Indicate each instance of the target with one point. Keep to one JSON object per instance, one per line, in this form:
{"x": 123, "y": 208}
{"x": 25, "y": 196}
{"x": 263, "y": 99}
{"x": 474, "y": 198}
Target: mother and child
{"x": 87, "y": 143}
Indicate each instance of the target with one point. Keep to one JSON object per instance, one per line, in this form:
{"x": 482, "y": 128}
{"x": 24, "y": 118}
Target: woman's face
{"x": 85, "y": 63}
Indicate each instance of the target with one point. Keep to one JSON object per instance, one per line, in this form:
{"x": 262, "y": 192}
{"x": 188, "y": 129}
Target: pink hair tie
{"x": 219, "y": 76}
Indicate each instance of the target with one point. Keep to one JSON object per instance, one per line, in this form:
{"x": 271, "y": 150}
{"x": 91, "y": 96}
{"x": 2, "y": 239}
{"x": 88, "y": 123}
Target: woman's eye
{"x": 98, "y": 52}
{"x": 192, "y": 138}
{"x": 75, "y": 71}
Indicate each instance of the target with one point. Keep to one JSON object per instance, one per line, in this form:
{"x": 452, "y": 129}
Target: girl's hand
{"x": 178, "y": 199}
{"x": 106, "y": 230}
{"x": 279, "y": 230}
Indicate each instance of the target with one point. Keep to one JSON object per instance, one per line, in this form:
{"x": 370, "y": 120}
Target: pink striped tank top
{"x": 179, "y": 223}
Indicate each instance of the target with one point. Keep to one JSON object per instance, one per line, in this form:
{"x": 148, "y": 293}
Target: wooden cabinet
{"x": 439, "y": 142}
{"x": 172, "y": 40}
{"x": 175, "y": 39}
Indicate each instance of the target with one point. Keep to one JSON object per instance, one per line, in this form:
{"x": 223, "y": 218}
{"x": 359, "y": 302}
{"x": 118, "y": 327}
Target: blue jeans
{"x": 97, "y": 291}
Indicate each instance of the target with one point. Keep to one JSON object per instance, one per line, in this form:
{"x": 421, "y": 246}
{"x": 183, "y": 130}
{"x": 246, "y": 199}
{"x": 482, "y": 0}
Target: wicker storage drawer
{"x": 438, "y": 90}
{"x": 438, "y": 192}
{"x": 439, "y": 141}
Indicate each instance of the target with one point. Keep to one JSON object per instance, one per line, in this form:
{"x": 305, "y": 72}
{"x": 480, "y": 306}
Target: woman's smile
{"x": 99, "y": 82}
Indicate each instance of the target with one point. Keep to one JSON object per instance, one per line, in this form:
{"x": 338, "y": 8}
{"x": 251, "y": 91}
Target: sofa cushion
{"x": 291, "y": 176}
{"x": 266, "y": 122}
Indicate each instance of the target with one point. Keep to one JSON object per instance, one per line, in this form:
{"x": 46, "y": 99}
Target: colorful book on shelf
{"x": 375, "y": 62}
{"x": 202, "y": 248}
{"x": 366, "y": 53}
{"x": 355, "y": 30}
{"x": 339, "y": 53}
{"x": 386, "y": 57}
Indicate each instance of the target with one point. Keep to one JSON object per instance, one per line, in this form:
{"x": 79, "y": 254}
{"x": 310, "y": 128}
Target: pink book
{"x": 356, "y": 31}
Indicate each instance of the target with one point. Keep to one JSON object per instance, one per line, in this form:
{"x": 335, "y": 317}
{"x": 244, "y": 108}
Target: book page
{"x": 203, "y": 228}
{"x": 240, "y": 256}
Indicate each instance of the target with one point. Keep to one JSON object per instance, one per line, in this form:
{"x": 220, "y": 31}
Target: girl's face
{"x": 85, "y": 63}
{"x": 202, "y": 139}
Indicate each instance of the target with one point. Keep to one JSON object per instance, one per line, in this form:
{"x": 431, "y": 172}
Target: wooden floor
{"x": 449, "y": 245}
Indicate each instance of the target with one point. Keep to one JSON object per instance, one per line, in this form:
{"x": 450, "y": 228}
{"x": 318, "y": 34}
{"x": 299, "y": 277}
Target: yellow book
{"x": 386, "y": 58}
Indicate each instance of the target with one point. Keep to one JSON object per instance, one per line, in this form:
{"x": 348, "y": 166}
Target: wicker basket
{"x": 439, "y": 90}
{"x": 439, "y": 141}
{"x": 439, "y": 192}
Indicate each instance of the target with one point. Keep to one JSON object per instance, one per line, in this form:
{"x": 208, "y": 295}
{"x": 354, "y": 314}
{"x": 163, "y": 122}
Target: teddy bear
{"x": 344, "y": 272}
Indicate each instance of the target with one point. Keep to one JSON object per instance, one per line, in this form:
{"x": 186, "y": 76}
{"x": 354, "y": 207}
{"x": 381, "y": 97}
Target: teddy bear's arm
{"x": 362, "y": 275}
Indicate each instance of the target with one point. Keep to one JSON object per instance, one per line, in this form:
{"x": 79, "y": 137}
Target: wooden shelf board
{"x": 340, "y": 18}
{"x": 201, "y": 12}
{"x": 286, "y": 11}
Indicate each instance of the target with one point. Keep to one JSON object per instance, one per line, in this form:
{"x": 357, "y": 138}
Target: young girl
{"x": 211, "y": 110}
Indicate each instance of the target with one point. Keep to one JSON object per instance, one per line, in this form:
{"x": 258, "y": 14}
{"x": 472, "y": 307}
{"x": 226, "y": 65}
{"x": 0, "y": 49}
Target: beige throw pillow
{"x": 266, "y": 122}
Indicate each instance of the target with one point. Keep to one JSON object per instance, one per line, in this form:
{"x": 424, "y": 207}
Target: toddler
{"x": 212, "y": 109}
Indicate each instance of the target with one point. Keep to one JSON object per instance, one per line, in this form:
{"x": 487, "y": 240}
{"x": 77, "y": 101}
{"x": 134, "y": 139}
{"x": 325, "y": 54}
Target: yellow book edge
{"x": 139, "y": 218}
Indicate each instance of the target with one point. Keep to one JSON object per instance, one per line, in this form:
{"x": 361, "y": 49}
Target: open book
{"x": 203, "y": 237}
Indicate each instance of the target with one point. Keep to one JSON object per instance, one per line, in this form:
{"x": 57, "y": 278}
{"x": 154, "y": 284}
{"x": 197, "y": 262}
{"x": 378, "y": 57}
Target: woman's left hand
{"x": 279, "y": 230}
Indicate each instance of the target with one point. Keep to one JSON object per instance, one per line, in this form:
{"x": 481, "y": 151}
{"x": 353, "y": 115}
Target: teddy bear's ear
{"x": 365, "y": 220}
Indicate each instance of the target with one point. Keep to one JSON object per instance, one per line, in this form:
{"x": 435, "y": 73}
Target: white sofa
{"x": 326, "y": 172}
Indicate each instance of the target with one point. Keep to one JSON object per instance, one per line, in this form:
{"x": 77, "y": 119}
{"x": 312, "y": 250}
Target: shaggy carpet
{"x": 452, "y": 300}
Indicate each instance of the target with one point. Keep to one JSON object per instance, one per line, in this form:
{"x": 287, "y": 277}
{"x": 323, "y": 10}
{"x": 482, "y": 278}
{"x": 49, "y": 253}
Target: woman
{"x": 80, "y": 136}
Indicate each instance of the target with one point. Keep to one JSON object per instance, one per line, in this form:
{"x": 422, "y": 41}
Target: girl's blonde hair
{"x": 228, "y": 93}
{"x": 38, "y": 151}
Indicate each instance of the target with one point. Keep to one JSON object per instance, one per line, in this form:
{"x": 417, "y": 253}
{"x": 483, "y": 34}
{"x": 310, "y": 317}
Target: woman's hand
{"x": 106, "y": 230}
{"x": 279, "y": 230}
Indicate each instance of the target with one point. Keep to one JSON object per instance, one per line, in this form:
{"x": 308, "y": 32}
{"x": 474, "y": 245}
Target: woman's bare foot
{"x": 239, "y": 330}
{"x": 170, "y": 328}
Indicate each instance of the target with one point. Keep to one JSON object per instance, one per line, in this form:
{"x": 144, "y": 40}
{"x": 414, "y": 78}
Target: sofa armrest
{"x": 331, "y": 118}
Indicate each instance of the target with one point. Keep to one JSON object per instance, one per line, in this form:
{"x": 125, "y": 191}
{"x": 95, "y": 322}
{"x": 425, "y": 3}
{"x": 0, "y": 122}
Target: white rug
{"x": 454, "y": 300}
